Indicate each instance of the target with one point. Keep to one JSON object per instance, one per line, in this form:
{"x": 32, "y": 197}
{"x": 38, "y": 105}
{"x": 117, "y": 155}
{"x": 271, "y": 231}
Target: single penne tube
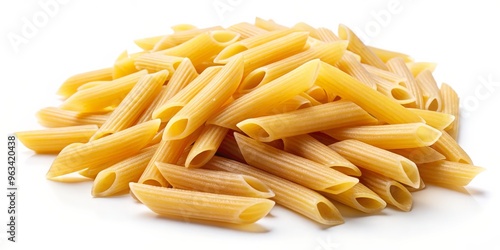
{"x": 420, "y": 155}
{"x": 396, "y": 92}
{"x": 100, "y": 97}
{"x": 292, "y": 167}
{"x": 437, "y": 120}
{"x": 246, "y": 44}
{"x": 148, "y": 43}
{"x": 154, "y": 62}
{"x": 450, "y": 148}
{"x": 329, "y": 53}
{"x": 360, "y": 198}
{"x": 357, "y": 46}
{"x": 205, "y": 146}
{"x": 117, "y": 146}
{"x": 398, "y": 66}
{"x": 124, "y": 65}
{"x": 211, "y": 98}
{"x": 274, "y": 50}
{"x": 351, "y": 89}
{"x": 92, "y": 84}
{"x": 204, "y": 47}
{"x": 229, "y": 148}
{"x": 212, "y": 181}
{"x": 171, "y": 106}
{"x": 392, "y": 136}
{"x": 351, "y": 66}
{"x": 70, "y": 86}
{"x": 168, "y": 151}
{"x": 313, "y": 119}
{"x": 147, "y": 114}
{"x": 429, "y": 90}
{"x": 448, "y": 173}
{"x": 326, "y": 35}
{"x": 53, "y": 140}
{"x": 53, "y": 117}
{"x": 138, "y": 99}
{"x": 388, "y": 76}
{"x": 391, "y": 191}
{"x": 181, "y": 36}
{"x": 294, "y": 103}
{"x": 308, "y": 147}
{"x": 286, "y": 193}
{"x": 266, "y": 97}
{"x": 386, "y": 55}
{"x": 246, "y": 30}
{"x": 184, "y": 204}
{"x": 451, "y": 105}
{"x": 379, "y": 160}
{"x": 269, "y": 25}
{"x": 417, "y": 67}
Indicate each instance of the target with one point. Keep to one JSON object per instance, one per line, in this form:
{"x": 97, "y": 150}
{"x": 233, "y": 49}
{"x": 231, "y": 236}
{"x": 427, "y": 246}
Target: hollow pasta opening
{"x": 104, "y": 183}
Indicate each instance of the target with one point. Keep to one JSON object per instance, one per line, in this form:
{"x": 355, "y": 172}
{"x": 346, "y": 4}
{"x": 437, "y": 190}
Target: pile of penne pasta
{"x": 220, "y": 124}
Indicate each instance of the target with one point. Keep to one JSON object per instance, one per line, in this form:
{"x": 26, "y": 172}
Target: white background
{"x": 462, "y": 36}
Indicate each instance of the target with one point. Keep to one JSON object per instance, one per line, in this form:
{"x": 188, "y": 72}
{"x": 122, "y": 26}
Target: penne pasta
{"x": 212, "y": 181}
{"x": 360, "y": 198}
{"x": 294, "y": 103}
{"x": 398, "y": 66}
{"x": 408, "y": 135}
{"x": 448, "y": 173}
{"x": 181, "y": 36}
{"x": 186, "y": 204}
{"x": 294, "y": 168}
{"x": 53, "y": 117}
{"x": 396, "y": 92}
{"x": 265, "y": 98}
{"x": 430, "y": 91}
{"x": 388, "y": 76}
{"x": 288, "y": 194}
{"x": 326, "y": 35}
{"x": 117, "y": 146}
{"x": 448, "y": 147}
{"x": 206, "y": 102}
{"x": 102, "y": 96}
{"x": 386, "y": 55}
{"x": 420, "y": 155}
{"x": 124, "y": 65}
{"x": 154, "y": 62}
{"x": 313, "y": 119}
{"x": 357, "y": 46}
{"x": 205, "y": 146}
{"x": 229, "y": 148}
{"x": 379, "y": 160}
{"x": 391, "y": 191}
{"x": 70, "y": 86}
{"x": 417, "y": 67}
{"x": 139, "y": 98}
{"x": 246, "y": 30}
{"x": 148, "y": 43}
{"x": 354, "y": 68}
{"x": 53, "y": 140}
{"x": 437, "y": 120}
{"x": 269, "y": 25}
{"x": 451, "y": 106}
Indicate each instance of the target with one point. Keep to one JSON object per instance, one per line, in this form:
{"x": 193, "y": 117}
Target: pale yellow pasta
{"x": 429, "y": 90}
{"x": 138, "y": 99}
{"x": 360, "y": 198}
{"x": 323, "y": 138}
{"x": 417, "y": 67}
{"x": 396, "y": 92}
{"x": 181, "y": 36}
{"x": 294, "y": 103}
{"x": 229, "y": 148}
{"x": 292, "y": 167}
{"x": 124, "y": 65}
{"x": 171, "y": 106}
{"x": 246, "y": 30}
{"x": 392, "y": 136}
{"x": 92, "y": 84}
{"x": 205, "y": 146}
{"x": 147, "y": 114}
{"x": 388, "y": 76}
{"x": 357, "y": 46}
{"x": 114, "y": 180}
{"x": 351, "y": 66}
{"x": 451, "y": 106}
{"x": 329, "y": 53}
{"x": 195, "y": 113}
{"x": 312, "y": 149}
{"x": 252, "y": 42}
{"x": 53, "y": 140}
{"x": 386, "y": 55}
{"x": 204, "y": 47}
{"x": 319, "y": 94}
{"x": 268, "y": 96}
{"x": 274, "y": 50}
{"x": 286, "y": 193}
{"x": 269, "y": 25}
{"x": 116, "y": 146}
{"x": 437, "y": 120}
{"x": 379, "y": 160}
{"x": 53, "y": 117}
{"x": 398, "y": 66}
{"x": 420, "y": 155}
{"x": 71, "y": 84}
{"x": 326, "y": 35}
{"x": 375, "y": 103}
{"x": 182, "y": 27}
{"x": 212, "y": 181}
{"x": 313, "y": 119}
{"x": 448, "y": 173}
{"x": 154, "y": 62}
{"x": 148, "y": 43}
{"x": 100, "y": 97}
{"x": 448, "y": 147}
{"x": 391, "y": 191}
{"x": 184, "y": 204}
